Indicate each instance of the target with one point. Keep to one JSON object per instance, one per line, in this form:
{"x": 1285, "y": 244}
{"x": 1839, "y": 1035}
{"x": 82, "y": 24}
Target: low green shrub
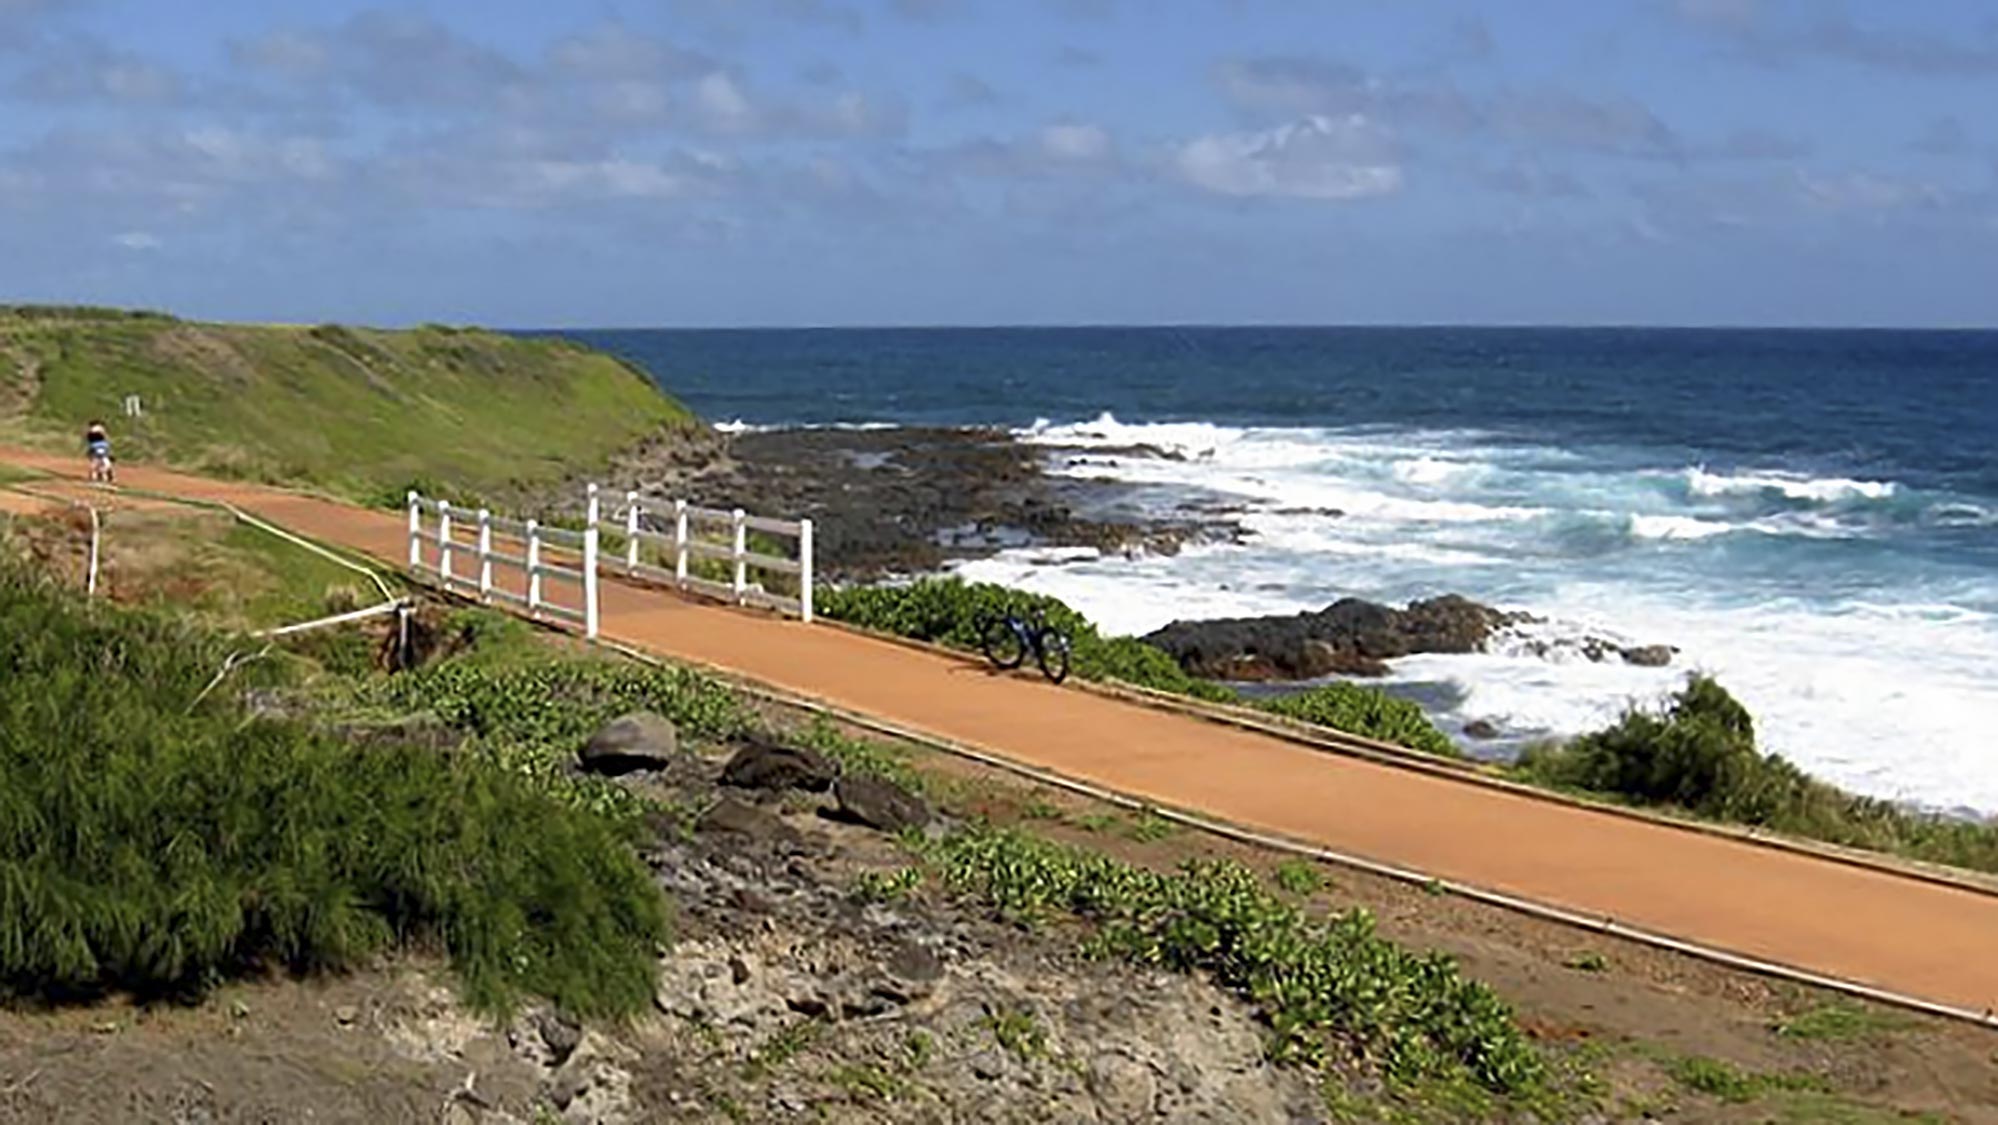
{"x": 1367, "y": 712}
{"x": 948, "y": 611}
{"x": 1334, "y": 991}
{"x": 155, "y": 837}
{"x": 1698, "y": 753}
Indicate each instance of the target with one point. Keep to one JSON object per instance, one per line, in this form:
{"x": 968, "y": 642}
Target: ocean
{"x": 1811, "y": 516}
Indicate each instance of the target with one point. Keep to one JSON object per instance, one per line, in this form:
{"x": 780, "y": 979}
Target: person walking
{"x": 97, "y": 443}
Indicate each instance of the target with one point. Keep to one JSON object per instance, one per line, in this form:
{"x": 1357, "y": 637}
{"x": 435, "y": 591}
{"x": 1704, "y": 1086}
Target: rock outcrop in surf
{"x": 1355, "y": 637}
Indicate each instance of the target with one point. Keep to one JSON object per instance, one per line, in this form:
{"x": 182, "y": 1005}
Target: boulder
{"x": 1649, "y": 656}
{"x": 731, "y": 817}
{"x": 769, "y": 765}
{"x": 629, "y": 744}
{"x": 880, "y": 804}
{"x": 1481, "y": 729}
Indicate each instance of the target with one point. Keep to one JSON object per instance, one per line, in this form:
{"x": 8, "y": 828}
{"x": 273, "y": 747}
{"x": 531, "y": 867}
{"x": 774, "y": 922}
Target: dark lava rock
{"x": 639, "y": 741}
{"x": 1649, "y": 656}
{"x": 889, "y": 501}
{"x": 1599, "y": 649}
{"x": 769, "y": 765}
{"x": 879, "y": 804}
{"x": 1349, "y": 637}
{"x": 1481, "y": 728}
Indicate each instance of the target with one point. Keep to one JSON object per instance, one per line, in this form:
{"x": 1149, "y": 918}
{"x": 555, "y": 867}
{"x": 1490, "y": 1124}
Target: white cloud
{"x": 1866, "y": 191}
{"x": 725, "y": 103}
{"x": 1077, "y": 142}
{"x": 1324, "y": 158}
{"x": 620, "y": 179}
{"x": 138, "y": 241}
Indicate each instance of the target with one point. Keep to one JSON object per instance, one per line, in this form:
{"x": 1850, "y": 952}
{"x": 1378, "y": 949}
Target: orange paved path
{"x": 1930, "y": 941}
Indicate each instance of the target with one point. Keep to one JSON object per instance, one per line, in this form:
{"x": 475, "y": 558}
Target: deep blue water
{"x": 1811, "y": 515}
{"x": 1915, "y": 406}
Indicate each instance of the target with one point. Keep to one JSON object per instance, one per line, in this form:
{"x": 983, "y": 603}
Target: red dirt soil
{"x": 1869, "y": 926}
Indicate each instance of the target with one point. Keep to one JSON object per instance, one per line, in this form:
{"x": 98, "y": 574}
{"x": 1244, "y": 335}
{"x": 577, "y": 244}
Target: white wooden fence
{"x": 556, "y": 572}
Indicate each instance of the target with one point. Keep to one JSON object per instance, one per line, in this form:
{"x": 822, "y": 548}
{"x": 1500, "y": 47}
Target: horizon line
{"x": 1487, "y": 326}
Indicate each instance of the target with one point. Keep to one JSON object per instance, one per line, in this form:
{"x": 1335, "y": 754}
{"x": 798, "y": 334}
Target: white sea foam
{"x": 738, "y": 426}
{"x": 1678, "y": 527}
{"x": 1822, "y": 490}
{"x": 1962, "y": 515}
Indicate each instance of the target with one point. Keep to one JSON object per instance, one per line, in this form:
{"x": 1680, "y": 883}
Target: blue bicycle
{"x": 1007, "y": 638}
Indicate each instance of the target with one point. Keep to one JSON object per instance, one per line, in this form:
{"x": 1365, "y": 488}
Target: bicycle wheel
{"x": 1005, "y": 643}
{"x": 1054, "y": 655}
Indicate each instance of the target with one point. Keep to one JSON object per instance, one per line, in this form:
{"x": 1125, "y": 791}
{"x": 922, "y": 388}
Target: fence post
{"x": 96, "y": 535}
{"x": 741, "y": 547}
{"x": 485, "y": 555}
{"x": 630, "y": 531}
{"x": 590, "y": 567}
{"x": 533, "y": 568}
{"x": 805, "y": 570}
{"x": 444, "y": 541}
{"x": 415, "y": 531}
{"x": 680, "y": 541}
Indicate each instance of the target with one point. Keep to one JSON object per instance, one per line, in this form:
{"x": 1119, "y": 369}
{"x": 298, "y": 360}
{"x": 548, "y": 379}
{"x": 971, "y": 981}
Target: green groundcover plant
{"x": 1335, "y": 993}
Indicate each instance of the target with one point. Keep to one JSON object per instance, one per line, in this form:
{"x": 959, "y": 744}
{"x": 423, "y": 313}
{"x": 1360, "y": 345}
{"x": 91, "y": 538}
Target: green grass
{"x": 948, "y": 611}
{"x": 1840, "y": 1020}
{"x": 1298, "y": 877}
{"x": 363, "y": 412}
{"x": 157, "y": 841}
{"x": 1698, "y": 754}
{"x": 1018, "y": 1032}
{"x": 292, "y": 583}
{"x": 1587, "y": 961}
{"x": 1718, "y": 1079}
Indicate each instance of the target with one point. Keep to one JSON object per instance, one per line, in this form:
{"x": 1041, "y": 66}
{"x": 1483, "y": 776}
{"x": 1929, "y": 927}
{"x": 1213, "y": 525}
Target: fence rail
{"x": 556, "y": 572}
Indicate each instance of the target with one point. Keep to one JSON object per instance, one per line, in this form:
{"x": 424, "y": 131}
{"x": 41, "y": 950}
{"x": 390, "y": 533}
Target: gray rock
{"x": 1481, "y": 728}
{"x": 1649, "y": 656}
{"x": 769, "y": 765}
{"x": 913, "y": 963}
{"x": 568, "y": 1088}
{"x": 560, "y": 1034}
{"x": 738, "y": 818}
{"x": 880, "y": 804}
{"x": 635, "y": 742}
{"x": 988, "y": 1065}
{"x": 1127, "y": 1089}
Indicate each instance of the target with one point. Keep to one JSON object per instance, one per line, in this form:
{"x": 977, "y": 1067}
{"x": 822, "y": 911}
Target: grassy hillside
{"x": 361, "y": 411}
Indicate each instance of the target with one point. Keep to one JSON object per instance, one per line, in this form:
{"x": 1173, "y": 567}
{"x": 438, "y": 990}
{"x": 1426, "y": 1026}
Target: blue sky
{"x": 780, "y": 162}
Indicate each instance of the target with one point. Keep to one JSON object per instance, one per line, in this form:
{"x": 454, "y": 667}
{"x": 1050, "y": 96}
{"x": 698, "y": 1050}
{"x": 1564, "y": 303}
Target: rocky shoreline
{"x": 904, "y": 500}
{"x": 910, "y": 500}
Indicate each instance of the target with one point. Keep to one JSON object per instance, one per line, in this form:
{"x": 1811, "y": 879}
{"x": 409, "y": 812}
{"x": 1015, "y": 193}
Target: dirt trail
{"x": 1869, "y": 926}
